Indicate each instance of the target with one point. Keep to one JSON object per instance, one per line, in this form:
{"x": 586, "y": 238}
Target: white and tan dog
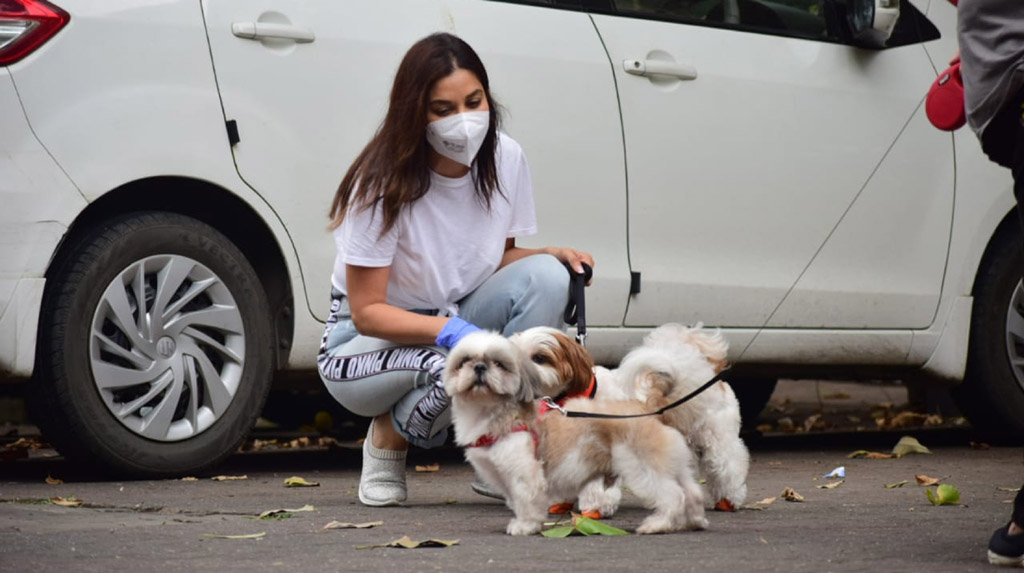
{"x": 681, "y": 357}
{"x": 535, "y": 458}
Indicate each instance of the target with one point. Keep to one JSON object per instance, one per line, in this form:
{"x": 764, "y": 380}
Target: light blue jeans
{"x": 370, "y": 376}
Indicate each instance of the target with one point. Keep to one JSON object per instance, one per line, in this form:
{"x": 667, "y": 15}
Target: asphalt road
{"x": 860, "y": 525}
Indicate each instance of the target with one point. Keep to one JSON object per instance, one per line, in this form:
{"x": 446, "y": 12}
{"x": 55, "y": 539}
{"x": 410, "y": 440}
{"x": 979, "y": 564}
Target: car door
{"x": 753, "y": 134}
{"x": 306, "y": 102}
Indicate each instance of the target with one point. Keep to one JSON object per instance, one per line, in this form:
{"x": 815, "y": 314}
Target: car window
{"x": 805, "y": 18}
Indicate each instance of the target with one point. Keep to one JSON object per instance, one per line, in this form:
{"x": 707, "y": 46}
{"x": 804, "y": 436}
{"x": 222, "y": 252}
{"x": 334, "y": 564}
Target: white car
{"x": 765, "y": 167}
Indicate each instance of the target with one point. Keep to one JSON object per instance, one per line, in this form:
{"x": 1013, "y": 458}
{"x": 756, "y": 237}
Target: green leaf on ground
{"x": 558, "y": 532}
{"x": 897, "y": 484}
{"x": 582, "y": 525}
{"x": 296, "y": 481}
{"x": 588, "y": 526}
{"x": 945, "y": 494}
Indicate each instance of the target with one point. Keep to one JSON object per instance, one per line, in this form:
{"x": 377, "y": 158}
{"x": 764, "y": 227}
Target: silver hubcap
{"x": 167, "y": 347}
{"x": 1015, "y": 334}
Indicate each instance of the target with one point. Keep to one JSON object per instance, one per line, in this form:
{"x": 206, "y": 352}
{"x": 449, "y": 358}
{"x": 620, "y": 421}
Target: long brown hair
{"x": 393, "y": 168}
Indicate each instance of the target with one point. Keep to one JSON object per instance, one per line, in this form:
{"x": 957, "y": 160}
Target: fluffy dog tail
{"x": 712, "y": 345}
{"x": 652, "y": 374}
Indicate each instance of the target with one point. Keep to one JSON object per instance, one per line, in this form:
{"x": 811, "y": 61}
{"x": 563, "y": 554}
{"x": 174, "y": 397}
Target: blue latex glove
{"x": 454, "y": 330}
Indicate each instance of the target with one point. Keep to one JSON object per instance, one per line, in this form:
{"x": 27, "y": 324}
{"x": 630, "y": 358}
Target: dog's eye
{"x": 500, "y": 365}
{"x": 463, "y": 363}
{"x": 540, "y": 359}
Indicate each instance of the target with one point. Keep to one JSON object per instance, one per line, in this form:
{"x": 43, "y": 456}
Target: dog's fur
{"x": 681, "y": 358}
{"x": 493, "y": 387}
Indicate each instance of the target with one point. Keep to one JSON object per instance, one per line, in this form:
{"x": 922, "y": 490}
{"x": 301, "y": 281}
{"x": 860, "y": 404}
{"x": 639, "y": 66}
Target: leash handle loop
{"x": 576, "y": 311}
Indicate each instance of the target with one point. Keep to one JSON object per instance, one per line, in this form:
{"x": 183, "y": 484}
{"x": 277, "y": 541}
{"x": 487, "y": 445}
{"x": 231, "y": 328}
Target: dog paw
{"x": 655, "y": 525}
{"x": 697, "y": 524}
{"x": 522, "y": 527}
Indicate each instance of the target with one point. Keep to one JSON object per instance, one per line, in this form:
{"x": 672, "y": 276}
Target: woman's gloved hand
{"x": 454, "y": 330}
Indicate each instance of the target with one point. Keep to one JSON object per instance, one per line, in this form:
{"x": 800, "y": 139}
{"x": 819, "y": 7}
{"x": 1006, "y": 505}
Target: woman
{"x": 425, "y": 223}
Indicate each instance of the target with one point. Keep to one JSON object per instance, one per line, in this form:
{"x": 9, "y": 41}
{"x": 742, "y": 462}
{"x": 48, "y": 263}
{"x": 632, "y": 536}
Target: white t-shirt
{"x": 443, "y": 246}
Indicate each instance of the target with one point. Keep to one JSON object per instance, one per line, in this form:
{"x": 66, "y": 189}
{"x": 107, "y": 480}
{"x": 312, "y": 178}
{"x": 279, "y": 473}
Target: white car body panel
{"x": 38, "y": 202}
{"x": 883, "y": 264}
{"x": 722, "y": 226}
{"x": 572, "y": 136}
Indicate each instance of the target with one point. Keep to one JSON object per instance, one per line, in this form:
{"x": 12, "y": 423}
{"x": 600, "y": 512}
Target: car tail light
{"x": 25, "y": 25}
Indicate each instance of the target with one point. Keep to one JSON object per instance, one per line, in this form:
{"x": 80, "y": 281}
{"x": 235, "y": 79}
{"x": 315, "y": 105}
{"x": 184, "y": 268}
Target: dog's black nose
{"x": 479, "y": 368}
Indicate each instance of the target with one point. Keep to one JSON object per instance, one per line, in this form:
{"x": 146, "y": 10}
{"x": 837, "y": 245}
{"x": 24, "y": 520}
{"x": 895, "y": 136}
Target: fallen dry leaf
{"x": 343, "y": 525}
{"x": 789, "y": 494}
{"x": 907, "y": 419}
{"x": 247, "y": 536}
{"x": 764, "y": 428}
{"x": 296, "y": 481}
{"x": 870, "y": 455}
{"x": 832, "y": 485}
{"x": 428, "y": 468}
{"x": 786, "y": 425}
{"x": 406, "y": 543}
{"x": 189, "y": 478}
{"x": 925, "y": 480}
{"x": 303, "y": 442}
{"x": 53, "y": 480}
{"x": 66, "y": 501}
{"x": 836, "y": 396}
{"x": 450, "y": 501}
{"x": 271, "y": 512}
{"x": 909, "y": 445}
{"x": 229, "y": 478}
{"x": 1009, "y": 489}
{"x": 980, "y": 445}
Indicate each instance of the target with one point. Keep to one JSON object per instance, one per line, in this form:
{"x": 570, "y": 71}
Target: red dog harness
{"x": 490, "y": 439}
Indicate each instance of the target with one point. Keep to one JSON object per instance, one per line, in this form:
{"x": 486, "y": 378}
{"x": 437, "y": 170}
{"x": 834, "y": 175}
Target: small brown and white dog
{"x": 534, "y": 458}
{"x": 680, "y": 358}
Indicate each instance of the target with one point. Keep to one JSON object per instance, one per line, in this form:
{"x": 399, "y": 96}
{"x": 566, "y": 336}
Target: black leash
{"x": 569, "y": 414}
{"x": 576, "y": 315}
{"x": 576, "y": 310}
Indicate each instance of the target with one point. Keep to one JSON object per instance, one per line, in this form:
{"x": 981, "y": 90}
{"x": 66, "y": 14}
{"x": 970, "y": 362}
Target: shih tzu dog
{"x": 681, "y": 358}
{"x": 534, "y": 458}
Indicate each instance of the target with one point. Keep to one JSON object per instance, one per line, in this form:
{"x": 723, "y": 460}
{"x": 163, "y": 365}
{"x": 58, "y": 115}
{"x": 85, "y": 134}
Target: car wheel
{"x": 753, "y": 395}
{"x": 992, "y": 393}
{"x": 154, "y": 353}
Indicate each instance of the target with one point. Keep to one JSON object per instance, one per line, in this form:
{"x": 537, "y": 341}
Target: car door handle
{"x": 659, "y": 68}
{"x": 267, "y": 30}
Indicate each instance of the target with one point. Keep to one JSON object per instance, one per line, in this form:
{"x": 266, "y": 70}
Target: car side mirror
{"x": 872, "y": 21}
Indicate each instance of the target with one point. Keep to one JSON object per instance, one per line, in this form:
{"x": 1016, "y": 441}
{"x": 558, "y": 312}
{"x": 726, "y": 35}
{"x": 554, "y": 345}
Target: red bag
{"x": 945, "y": 102}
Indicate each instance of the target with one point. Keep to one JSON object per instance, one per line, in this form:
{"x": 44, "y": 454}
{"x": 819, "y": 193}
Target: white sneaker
{"x": 382, "y": 482}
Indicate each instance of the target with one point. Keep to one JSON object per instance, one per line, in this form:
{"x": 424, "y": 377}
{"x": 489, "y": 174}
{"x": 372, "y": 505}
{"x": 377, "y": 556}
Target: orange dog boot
{"x": 591, "y": 513}
{"x": 724, "y": 505}
{"x": 560, "y": 508}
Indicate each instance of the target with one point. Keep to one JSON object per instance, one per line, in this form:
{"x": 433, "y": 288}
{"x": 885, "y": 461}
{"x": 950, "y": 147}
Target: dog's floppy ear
{"x": 529, "y": 382}
{"x": 578, "y": 368}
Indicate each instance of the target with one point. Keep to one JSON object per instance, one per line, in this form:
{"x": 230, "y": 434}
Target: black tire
{"x": 213, "y": 344}
{"x": 992, "y": 393}
{"x": 753, "y": 395}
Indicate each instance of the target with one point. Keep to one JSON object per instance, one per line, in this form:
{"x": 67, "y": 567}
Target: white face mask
{"x": 460, "y": 136}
